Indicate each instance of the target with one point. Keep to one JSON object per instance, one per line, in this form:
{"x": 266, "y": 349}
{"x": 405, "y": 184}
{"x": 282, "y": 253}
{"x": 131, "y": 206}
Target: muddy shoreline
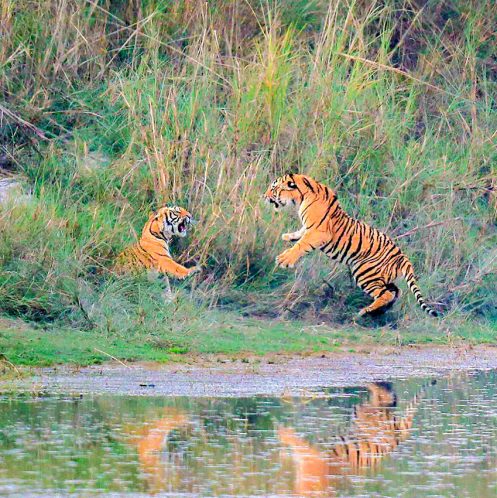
{"x": 274, "y": 375}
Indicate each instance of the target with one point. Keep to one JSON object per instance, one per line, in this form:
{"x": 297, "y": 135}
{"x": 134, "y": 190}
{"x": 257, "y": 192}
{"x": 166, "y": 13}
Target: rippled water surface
{"x": 407, "y": 438}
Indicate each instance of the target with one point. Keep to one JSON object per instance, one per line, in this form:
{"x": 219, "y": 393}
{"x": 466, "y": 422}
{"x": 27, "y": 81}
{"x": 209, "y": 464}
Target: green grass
{"x": 34, "y": 347}
{"x": 214, "y": 332}
{"x": 223, "y": 335}
{"x": 203, "y": 104}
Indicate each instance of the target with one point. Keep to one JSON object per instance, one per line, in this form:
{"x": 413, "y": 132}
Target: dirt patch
{"x": 276, "y": 375}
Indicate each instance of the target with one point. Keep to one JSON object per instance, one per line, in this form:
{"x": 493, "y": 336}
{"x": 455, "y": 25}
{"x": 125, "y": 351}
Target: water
{"x": 409, "y": 438}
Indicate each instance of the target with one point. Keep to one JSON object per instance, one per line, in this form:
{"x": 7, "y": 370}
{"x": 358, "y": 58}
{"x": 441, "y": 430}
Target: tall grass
{"x": 142, "y": 103}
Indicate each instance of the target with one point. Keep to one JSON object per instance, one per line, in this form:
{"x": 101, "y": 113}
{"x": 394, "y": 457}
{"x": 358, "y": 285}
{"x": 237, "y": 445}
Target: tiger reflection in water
{"x": 376, "y": 431}
{"x": 150, "y": 441}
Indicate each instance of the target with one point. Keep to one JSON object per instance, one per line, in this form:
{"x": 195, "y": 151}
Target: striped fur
{"x": 374, "y": 259}
{"x": 152, "y": 250}
{"x": 377, "y": 428}
{"x": 376, "y": 431}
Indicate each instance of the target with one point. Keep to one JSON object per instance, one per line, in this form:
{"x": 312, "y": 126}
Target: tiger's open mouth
{"x": 273, "y": 202}
{"x": 182, "y": 226}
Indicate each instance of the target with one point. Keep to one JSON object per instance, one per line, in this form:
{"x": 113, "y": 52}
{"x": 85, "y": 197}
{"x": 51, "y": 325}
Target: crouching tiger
{"x": 375, "y": 261}
{"x": 152, "y": 250}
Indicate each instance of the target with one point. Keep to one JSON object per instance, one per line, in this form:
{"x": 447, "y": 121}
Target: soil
{"x": 272, "y": 375}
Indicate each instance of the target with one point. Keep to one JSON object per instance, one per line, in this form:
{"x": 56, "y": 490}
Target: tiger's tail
{"x": 419, "y": 395}
{"x": 413, "y": 287}
{"x": 412, "y": 406}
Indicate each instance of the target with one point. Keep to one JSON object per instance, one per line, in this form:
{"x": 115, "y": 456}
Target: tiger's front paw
{"x": 286, "y": 259}
{"x": 194, "y": 269}
{"x": 186, "y": 272}
{"x": 291, "y": 237}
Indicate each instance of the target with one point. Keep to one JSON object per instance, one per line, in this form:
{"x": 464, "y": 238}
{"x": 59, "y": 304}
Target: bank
{"x": 224, "y": 333}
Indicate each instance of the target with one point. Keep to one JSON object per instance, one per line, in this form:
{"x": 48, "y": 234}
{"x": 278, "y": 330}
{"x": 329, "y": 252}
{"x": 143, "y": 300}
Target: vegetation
{"x": 223, "y": 333}
{"x": 111, "y": 109}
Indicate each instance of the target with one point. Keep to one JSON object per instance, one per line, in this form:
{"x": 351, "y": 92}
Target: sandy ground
{"x": 274, "y": 375}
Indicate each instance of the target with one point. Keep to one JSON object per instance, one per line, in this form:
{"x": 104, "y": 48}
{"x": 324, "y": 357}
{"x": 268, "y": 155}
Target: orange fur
{"x": 152, "y": 250}
{"x": 150, "y": 441}
{"x": 374, "y": 259}
{"x": 376, "y": 432}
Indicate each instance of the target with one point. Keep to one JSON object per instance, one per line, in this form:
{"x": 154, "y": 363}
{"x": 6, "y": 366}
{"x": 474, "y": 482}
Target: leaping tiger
{"x": 374, "y": 259}
{"x": 152, "y": 250}
{"x": 377, "y": 430}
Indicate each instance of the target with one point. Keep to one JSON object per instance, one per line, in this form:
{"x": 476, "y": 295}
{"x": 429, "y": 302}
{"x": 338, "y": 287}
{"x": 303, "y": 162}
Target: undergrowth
{"x": 113, "y": 109}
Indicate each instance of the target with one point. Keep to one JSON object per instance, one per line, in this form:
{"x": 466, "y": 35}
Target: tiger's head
{"x": 288, "y": 190}
{"x": 170, "y": 221}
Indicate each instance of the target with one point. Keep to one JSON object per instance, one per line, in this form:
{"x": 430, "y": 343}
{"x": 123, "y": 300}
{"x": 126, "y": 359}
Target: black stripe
{"x": 342, "y": 226}
{"x": 371, "y": 280}
{"x": 154, "y": 234}
{"x": 307, "y": 183}
{"x": 145, "y": 253}
{"x": 148, "y": 253}
{"x": 332, "y": 203}
{"x": 341, "y": 237}
{"x": 349, "y": 245}
{"x": 300, "y": 192}
{"x": 326, "y": 245}
{"x": 377, "y": 260}
{"x": 359, "y": 247}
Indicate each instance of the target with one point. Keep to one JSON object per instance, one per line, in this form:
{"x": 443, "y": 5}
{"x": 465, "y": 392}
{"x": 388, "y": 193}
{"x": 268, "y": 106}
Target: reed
{"x": 202, "y": 103}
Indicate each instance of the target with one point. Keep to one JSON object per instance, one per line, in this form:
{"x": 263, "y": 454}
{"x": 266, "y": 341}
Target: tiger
{"x": 151, "y": 441}
{"x": 374, "y": 259}
{"x": 376, "y": 431}
{"x": 151, "y": 252}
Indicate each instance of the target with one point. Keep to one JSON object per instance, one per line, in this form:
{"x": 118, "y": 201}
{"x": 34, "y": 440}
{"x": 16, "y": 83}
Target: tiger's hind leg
{"x": 384, "y": 296}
